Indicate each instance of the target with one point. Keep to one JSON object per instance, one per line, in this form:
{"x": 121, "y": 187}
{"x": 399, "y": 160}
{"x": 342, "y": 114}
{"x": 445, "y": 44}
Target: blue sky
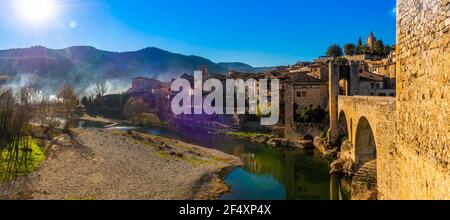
{"x": 257, "y": 32}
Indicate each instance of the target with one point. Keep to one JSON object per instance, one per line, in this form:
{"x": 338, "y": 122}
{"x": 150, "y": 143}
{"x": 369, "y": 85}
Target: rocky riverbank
{"x": 106, "y": 165}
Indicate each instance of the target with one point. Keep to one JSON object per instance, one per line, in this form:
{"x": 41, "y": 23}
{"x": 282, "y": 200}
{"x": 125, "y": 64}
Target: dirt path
{"x": 103, "y": 165}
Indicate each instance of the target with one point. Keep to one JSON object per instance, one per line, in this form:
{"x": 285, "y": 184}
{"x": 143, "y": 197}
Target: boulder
{"x": 284, "y": 142}
{"x": 274, "y": 142}
{"x": 260, "y": 140}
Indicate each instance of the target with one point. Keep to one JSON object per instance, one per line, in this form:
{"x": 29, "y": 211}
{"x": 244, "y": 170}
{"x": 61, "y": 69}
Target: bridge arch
{"x": 365, "y": 143}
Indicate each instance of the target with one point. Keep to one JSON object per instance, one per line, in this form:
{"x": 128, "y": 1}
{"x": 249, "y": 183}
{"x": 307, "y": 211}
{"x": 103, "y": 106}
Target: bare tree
{"x": 69, "y": 101}
{"x": 101, "y": 88}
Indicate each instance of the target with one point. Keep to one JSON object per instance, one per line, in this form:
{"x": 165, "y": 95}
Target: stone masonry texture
{"x": 423, "y": 102}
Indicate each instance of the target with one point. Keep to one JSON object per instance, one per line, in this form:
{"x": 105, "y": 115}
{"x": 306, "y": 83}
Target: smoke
{"x": 114, "y": 86}
{"x": 21, "y": 80}
{"x": 83, "y": 86}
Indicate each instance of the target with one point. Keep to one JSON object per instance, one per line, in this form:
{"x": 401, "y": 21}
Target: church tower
{"x": 371, "y": 40}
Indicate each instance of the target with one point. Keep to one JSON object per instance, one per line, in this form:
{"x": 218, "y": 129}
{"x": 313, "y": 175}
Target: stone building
{"x": 147, "y": 85}
{"x": 371, "y": 84}
{"x": 319, "y": 71}
{"x": 309, "y": 91}
{"x": 385, "y": 67}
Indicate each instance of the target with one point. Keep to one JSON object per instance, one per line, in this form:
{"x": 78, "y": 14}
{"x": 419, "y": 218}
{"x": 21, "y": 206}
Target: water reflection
{"x": 268, "y": 173}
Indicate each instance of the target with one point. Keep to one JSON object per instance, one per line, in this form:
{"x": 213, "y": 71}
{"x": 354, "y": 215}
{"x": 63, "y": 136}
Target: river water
{"x": 268, "y": 173}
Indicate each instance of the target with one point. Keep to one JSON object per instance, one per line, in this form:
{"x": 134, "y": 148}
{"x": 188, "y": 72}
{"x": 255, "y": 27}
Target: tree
{"x": 334, "y": 51}
{"x": 85, "y": 102}
{"x": 387, "y": 49}
{"x": 378, "y": 47}
{"x": 69, "y": 101}
{"x": 134, "y": 110}
{"x": 350, "y": 49}
{"x": 101, "y": 88}
{"x": 360, "y": 47}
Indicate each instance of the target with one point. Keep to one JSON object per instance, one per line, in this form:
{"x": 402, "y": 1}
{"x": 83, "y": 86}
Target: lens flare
{"x": 36, "y": 11}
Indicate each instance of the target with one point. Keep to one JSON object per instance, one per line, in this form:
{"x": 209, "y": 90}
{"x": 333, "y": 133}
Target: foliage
{"x": 248, "y": 135}
{"x": 19, "y": 152}
{"x": 261, "y": 109}
{"x": 378, "y": 47}
{"x": 69, "y": 101}
{"x": 350, "y": 49}
{"x": 311, "y": 114}
{"x": 341, "y": 61}
{"x": 135, "y": 109}
{"x": 20, "y": 161}
{"x": 360, "y": 47}
{"x": 334, "y": 51}
{"x": 110, "y": 106}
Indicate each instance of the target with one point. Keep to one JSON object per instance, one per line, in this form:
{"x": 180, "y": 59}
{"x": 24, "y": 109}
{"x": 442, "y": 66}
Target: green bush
{"x": 311, "y": 114}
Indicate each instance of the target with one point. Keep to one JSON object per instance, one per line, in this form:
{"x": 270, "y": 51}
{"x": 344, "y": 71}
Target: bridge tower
{"x": 333, "y": 133}
{"x": 354, "y": 78}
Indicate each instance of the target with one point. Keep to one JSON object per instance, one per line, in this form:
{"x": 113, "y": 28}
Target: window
{"x": 302, "y": 94}
{"x": 372, "y": 85}
{"x": 378, "y": 85}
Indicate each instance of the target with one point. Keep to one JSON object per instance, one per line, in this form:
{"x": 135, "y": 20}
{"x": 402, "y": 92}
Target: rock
{"x": 284, "y": 142}
{"x": 343, "y": 166}
{"x": 337, "y": 167}
{"x": 260, "y": 140}
{"x": 274, "y": 142}
{"x": 302, "y": 145}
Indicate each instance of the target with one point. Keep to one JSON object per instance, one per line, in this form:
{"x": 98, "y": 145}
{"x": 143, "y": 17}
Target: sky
{"x": 257, "y": 32}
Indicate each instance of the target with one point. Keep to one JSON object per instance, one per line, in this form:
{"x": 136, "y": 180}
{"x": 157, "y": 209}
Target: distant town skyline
{"x": 259, "y": 33}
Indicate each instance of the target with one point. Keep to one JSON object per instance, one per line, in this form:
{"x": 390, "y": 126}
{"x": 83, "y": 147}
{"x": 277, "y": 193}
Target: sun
{"x": 36, "y": 11}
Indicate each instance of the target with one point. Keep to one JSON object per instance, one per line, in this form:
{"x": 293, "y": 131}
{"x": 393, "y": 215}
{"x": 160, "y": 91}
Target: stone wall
{"x": 290, "y": 128}
{"x": 423, "y": 100}
{"x": 316, "y": 95}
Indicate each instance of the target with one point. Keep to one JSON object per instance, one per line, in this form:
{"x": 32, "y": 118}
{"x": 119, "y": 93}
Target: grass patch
{"x": 23, "y": 161}
{"x": 248, "y": 135}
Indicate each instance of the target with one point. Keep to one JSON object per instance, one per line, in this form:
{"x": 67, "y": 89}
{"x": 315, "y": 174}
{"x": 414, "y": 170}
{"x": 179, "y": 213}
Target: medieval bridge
{"x": 368, "y": 123}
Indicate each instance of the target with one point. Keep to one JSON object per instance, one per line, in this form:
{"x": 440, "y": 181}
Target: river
{"x": 268, "y": 173}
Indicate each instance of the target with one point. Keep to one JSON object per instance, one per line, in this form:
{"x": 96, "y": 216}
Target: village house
{"x": 308, "y": 91}
{"x": 147, "y": 85}
{"x": 319, "y": 71}
{"x": 372, "y": 84}
{"x": 385, "y": 67}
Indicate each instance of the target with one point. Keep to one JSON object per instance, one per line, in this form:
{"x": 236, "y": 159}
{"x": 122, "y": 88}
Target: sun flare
{"x": 36, "y": 11}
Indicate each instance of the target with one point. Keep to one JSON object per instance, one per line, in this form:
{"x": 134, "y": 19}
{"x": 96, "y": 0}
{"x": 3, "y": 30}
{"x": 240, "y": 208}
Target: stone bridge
{"x": 368, "y": 123}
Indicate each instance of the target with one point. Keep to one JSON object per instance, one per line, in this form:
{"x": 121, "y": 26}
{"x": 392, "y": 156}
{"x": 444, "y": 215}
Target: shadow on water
{"x": 268, "y": 173}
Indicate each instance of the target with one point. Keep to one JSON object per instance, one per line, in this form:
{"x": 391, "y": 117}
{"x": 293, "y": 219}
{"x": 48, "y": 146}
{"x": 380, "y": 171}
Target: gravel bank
{"x": 100, "y": 164}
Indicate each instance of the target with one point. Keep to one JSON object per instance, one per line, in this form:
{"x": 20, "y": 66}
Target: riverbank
{"x": 104, "y": 164}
